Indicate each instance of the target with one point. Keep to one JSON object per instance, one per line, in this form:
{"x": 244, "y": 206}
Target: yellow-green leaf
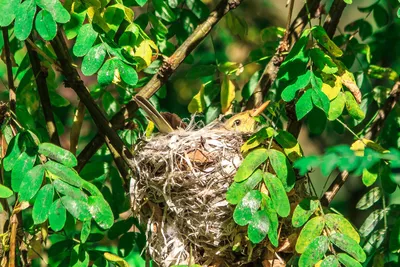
{"x": 289, "y": 144}
{"x": 114, "y": 258}
{"x": 323, "y": 39}
{"x": 310, "y": 231}
{"x": 336, "y": 107}
{"x": 197, "y": 104}
{"x": 352, "y": 107}
{"x": 143, "y": 54}
{"x": 227, "y": 94}
{"x": 250, "y": 163}
{"x": 331, "y": 86}
{"x": 339, "y": 223}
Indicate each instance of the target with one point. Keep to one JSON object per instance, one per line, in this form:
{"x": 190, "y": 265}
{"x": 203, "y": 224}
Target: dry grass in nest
{"x": 179, "y": 192}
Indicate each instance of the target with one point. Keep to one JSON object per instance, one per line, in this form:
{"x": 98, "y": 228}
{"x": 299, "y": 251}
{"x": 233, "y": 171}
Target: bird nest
{"x": 181, "y": 180}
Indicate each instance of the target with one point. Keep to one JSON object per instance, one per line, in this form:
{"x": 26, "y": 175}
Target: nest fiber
{"x": 179, "y": 191}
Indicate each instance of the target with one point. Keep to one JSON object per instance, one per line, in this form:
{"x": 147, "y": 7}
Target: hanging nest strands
{"x": 179, "y": 190}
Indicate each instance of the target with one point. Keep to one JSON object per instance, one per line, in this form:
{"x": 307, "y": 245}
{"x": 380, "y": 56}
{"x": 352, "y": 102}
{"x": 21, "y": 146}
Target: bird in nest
{"x": 166, "y": 122}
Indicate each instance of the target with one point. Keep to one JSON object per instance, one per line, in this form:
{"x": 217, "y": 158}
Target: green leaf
{"x": 237, "y": 190}
{"x": 198, "y": 8}
{"x": 57, "y": 215}
{"x": 129, "y": 36}
{"x": 64, "y": 173}
{"x": 247, "y": 207}
{"x": 13, "y": 152}
{"x": 101, "y": 212}
{"x": 349, "y": 2}
{"x": 278, "y": 195}
{"x": 387, "y": 183}
{"x": 141, "y": 2}
{"x": 164, "y": 11}
{"x": 273, "y": 220}
{"x": 289, "y": 144}
{"x": 42, "y": 205}
{"x": 31, "y": 183}
{"x": 85, "y": 40}
{"x": 79, "y": 257}
{"x": 258, "y": 227}
{"x": 369, "y": 199}
{"x": 59, "y": 13}
{"x": 227, "y": 94}
{"x": 7, "y": 14}
{"x": 381, "y": 16}
{"x": 250, "y": 163}
{"x": 352, "y": 107}
{"x": 5, "y": 192}
{"x": 289, "y": 93}
{"x": 59, "y": 154}
{"x": 365, "y": 30}
{"x": 46, "y": 4}
{"x": 107, "y": 72}
{"x": 348, "y": 261}
{"x": 323, "y": 61}
{"x": 85, "y": 231}
{"x": 371, "y": 222}
{"x": 394, "y": 239}
{"x": 282, "y": 168}
{"x": 127, "y": 73}
{"x": 304, "y": 105}
{"x": 374, "y": 241}
{"x": 320, "y": 100}
{"x": 330, "y": 261}
{"x": 45, "y": 25}
{"x": 93, "y": 60}
{"x": 336, "y": 107}
{"x": 78, "y": 208}
{"x": 69, "y": 190}
{"x": 251, "y": 85}
{"x": 323, "y": 39}
{"x": 339, "y": 223}
{"x": 24, "y": 15}
{"x": 110, "y": 104}
{"x": 23, "y": 164}
{"x": 348, "y": 245}
{"x": 310, "y": 231}
{"x": 303, "y": 211}
{"x": 314, "y": 252}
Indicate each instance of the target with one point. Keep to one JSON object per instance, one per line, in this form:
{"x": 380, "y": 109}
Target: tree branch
{"x": 372, "y": 133}
{"x": 166, "y": 70}
{"x": 74, "y": 81}
{"x": 334, "y": 15}
{"x": 40, "y": 78}
{"x": 10, "y": 78}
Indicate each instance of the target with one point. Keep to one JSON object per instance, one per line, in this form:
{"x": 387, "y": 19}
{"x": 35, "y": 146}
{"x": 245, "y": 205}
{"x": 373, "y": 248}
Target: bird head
{"x": 245, "y": 121}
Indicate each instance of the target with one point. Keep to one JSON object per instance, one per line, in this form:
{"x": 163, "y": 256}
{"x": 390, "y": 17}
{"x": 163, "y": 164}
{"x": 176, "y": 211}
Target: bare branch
{"x": 166, "y": 70}
{"x": 332, "y": 20}
{"x": 10, "y": 78}
{"x": 40, "y": 77}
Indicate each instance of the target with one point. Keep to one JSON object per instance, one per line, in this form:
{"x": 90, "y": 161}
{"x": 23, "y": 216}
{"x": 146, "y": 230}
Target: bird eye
{"x": 237, "y": 122}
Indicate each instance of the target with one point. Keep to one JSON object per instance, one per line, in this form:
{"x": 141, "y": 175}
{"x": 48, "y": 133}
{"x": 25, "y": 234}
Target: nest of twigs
{"x": 179, "y": 191}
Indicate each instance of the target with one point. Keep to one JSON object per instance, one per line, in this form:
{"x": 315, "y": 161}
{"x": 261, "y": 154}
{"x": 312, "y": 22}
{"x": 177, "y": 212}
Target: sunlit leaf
{"x": 289, "y": 144}
{"x": 13, "y": 152}
{"x": 23, "y": 164}
{"x": 57, "y": 215}
{"x": 78, "y": 208}
{"x": 304, "y": 105}
{"x": 323, "y": 39}
{"x": 310, "y": 231}
{"x": 101, "y": 212}
{"x": 258, "y": 227}
{"x": 237, "y": 190}
{"x": 85, "y": 40}
{"x": 348, "y": 245}
{"x": 247, "y": 207}
{"x": 277, "y": 193}
{"x": 250, "y": 163}
{"x": 339, "y": 223}
{"x": 5, "y": 192}
{"x": 24, "y": 15}
{"x": 45, "y": 25}
{"x": 93, "y": 59}
{"x": 314, "y": 251}
{"x": 336, "y": 107}
{"x": 57, "y": 153}
{"x": 303, "y": 211}
{"x": 227, "y": 94}
{"x": 352, "y": 107}
{"x": 31, "y": 183}
{"x": 282, "y": 168}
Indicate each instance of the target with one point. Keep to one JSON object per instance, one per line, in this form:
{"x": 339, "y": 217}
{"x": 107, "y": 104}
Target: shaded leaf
{"x": 101, "y": 212}
{"x": 323, "y": 61}
{"x": 301, "y": 82}
{"x": 289, "y": 144}
{"x": 304, "y": 105}
{"x": 348, "y": 261}
{"x": 22, "y": 165}
{"x": 85, "y": 40}
{"x": 85, "y": 231}
{"x": 57, "y": 215}
{"x": 42, "y": 205}
{"x": 31, "y": 183}
{"x": 64, "y": 173}
{"x": 323, "y": 39}
{"x": 45, "y": 25}
{"x": 14, "y": 150}
{"x": 369, "y": 199}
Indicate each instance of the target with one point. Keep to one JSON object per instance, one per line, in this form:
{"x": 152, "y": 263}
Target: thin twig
{"x": 40, "y": 77}
{"x": 73, "y": 80}
{"x": 13, "y": 240}
{"x": 76, "y": 127}
{"x": 166, "y": 70}
{"x": 372, "y": 133}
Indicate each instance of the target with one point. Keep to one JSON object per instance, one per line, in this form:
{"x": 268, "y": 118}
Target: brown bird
{"x": 168, "y": 122}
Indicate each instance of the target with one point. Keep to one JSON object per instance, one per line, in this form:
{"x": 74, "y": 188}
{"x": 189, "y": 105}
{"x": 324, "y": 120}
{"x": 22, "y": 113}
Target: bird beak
{"x": 260, "y": 109}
